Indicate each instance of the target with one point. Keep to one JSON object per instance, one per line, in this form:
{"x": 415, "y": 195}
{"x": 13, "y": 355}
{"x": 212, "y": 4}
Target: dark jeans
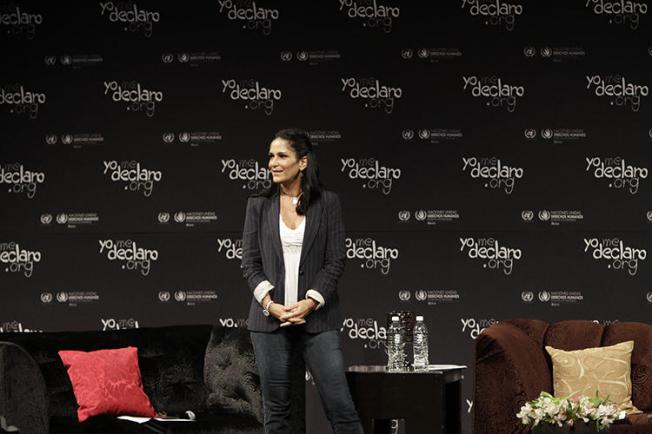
{"x": 323, "y": 357}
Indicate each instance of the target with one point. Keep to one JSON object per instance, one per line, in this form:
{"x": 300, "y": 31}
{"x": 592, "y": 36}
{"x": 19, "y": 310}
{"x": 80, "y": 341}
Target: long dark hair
{"x": 311, "y": 186}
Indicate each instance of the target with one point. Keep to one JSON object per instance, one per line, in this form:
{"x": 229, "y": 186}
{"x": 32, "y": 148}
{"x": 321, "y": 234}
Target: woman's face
{"x": 283, "y": 161}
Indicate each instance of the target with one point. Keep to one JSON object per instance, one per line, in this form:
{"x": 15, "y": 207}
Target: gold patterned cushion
{"x": 603, "y": 370}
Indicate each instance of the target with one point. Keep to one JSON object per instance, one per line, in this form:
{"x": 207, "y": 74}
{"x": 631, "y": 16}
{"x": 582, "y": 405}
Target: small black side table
{"x": 428, "y": 401}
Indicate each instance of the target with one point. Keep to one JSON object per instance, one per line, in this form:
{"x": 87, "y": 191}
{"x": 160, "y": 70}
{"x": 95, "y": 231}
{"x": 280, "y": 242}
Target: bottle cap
{"x": 419, "y": 318}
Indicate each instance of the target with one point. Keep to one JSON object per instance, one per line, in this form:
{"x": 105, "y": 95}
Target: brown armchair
{"x": 512, "y": 367}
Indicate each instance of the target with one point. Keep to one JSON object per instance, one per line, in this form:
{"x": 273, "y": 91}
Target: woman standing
{"x": 293, "y": 254}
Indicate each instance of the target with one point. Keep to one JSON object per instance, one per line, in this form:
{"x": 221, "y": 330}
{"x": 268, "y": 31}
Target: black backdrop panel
{"x": 492, "y": 160}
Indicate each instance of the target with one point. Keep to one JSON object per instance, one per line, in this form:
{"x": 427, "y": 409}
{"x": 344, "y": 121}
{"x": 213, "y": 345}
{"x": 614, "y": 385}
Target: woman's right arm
{"x": 252, "y": 264}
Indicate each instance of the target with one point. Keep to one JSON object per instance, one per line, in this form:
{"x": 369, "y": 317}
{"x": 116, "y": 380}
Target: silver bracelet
{"x": 266, "y": 308}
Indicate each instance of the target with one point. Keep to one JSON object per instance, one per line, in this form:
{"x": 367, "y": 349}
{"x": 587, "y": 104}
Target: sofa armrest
{"x": 510, "y": 369}
{"x": 23, "y": 393}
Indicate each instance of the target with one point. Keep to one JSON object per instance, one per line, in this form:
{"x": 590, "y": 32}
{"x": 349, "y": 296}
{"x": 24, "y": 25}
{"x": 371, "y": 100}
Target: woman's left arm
{"x": 325, "y": 282}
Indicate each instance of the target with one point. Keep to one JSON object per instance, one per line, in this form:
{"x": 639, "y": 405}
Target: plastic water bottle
{"x": 395, "y": 347}
{"x": 420, "y": 341}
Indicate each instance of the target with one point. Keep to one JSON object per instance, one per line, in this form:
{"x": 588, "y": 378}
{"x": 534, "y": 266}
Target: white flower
{"x": 551, "y": 410}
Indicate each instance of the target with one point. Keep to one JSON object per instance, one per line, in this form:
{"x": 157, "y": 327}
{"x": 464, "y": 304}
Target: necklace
{"x": 293, "y": 199}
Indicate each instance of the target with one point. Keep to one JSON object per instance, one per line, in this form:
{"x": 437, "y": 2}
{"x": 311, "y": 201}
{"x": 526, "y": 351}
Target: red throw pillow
{"x": 107, "y": 382}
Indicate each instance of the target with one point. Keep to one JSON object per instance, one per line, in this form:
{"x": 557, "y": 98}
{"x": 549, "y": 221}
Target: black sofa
{"x": 206, "y": 369}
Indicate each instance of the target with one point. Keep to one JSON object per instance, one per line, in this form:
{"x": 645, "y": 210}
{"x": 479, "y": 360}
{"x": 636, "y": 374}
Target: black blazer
{"x": 322, "y": 259}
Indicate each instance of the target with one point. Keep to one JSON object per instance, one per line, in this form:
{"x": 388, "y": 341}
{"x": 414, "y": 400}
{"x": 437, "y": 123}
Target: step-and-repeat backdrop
{"x": 492, "y": 158}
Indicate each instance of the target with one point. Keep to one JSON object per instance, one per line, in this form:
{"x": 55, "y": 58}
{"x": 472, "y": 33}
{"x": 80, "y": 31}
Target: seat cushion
{"x": 94, "y": 425}
{"x": 213, "y": 424}
{"x": 634, "y": 424}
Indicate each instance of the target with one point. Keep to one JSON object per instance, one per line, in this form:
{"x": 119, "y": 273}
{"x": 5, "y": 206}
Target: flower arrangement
{"x": 547, "y": 409}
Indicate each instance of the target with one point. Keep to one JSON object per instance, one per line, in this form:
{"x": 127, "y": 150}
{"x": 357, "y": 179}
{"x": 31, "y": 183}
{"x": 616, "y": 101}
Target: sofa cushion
{"x": 534, "y": 328}
{"x": 231, "y": 376}
{"x": 602, "y": 371}
{"x": 107, "y": 382}
{"x": 640, "y": 333}
{"x": 172, "y": 363}
{"x": 574, "y": 335}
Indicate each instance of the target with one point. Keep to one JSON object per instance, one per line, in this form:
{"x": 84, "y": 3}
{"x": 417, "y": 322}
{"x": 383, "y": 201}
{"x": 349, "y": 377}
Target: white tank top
{"x": 291, "y": 241}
